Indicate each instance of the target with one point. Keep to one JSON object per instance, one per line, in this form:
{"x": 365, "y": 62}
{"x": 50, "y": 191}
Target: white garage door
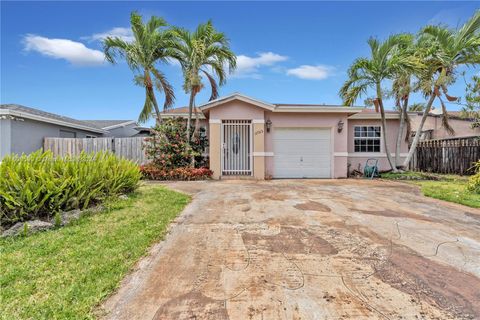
{"x": 301, "y": 153}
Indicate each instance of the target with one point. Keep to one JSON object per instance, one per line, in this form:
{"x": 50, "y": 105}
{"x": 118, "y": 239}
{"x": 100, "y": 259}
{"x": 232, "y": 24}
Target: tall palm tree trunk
{"x": 401, "y": 129}
{"x": 384, "y": 128}
{"x": 157, "y": 110}
{"x": 189, "y": 123}
{"x": 151, "y": 93}
{"x": 197, "y": 121}
{"x": 418, "y": 133}
{"x": 189, "y": 119}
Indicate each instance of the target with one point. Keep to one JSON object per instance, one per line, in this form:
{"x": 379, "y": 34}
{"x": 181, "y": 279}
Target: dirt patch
{"x": 270, "y": 195}
{"x": 193, "y": 305}
{"x": 313, "y": 206}
{"x": 290, "y": 240}
{"x": 395, "y": 214}
{"x": 440, "y": 285}
{"x": 236, "y": 202}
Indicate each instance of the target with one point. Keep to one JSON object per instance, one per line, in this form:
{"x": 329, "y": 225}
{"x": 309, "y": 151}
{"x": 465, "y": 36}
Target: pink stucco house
{"x": 249, "y": 137}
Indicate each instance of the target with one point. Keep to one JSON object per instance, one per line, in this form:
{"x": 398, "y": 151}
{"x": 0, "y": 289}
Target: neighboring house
{"x": 433, "y": 129}
{"x": 249, "y": 137}
{"x": 116, "y": 128}
{"x": 22, "y": 129}
{"x": 183, "y": 113}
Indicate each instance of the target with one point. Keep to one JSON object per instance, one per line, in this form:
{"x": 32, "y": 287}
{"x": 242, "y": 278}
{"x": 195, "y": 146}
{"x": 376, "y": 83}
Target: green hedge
{"x": 474, "y": 181}
{"x": 39, "y": 185}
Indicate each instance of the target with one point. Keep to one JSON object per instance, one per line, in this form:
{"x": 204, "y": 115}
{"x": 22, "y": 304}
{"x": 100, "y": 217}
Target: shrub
{"x": 153, "y": 172}
{"x": 474, "y": 181}
{"x": 39, "y": 185}
{"x": 168, "y": 148}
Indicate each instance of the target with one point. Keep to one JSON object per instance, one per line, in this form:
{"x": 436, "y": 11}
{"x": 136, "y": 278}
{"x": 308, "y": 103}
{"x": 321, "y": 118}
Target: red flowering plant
{"x": 170, "y": 154}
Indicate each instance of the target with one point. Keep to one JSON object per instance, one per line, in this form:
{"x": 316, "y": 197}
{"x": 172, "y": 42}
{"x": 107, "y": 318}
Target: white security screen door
{"x": 236, "y": 147}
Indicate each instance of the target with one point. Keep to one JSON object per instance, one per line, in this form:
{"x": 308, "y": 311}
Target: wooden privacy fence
{"x": 128, "y": 148}
{"x": 455, "y": 155}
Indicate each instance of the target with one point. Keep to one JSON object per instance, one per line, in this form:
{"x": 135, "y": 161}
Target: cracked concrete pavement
{"x": 308, "y": 249}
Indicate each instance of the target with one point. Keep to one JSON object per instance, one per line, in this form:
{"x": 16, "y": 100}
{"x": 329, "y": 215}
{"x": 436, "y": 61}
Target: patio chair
{"x": 371, "y": 168}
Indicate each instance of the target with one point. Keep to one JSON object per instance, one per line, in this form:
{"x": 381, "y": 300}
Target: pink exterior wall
{"x": 462, "y": 128}
{"x": 357, "y": 159}
{"x": 342, "y": 153}
{"x": 236, "y": 110}
{"x": 305, "y": 120}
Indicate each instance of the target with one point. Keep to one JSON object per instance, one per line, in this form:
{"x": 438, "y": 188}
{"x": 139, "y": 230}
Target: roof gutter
{"x": 118, "y": 125}
{"x": 49, "y": 120}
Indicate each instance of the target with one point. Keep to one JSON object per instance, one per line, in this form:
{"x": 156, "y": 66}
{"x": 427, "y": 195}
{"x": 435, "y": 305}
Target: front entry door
{"x": 236, "y": 147}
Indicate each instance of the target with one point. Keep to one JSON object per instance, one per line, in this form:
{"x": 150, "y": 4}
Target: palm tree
{"x": 203, "y": 52}
{"x": 443, "y": 50}
{"x": 152, "y": 44}
{"x": 402, "y": 87}
{"x": 387, "y": 60}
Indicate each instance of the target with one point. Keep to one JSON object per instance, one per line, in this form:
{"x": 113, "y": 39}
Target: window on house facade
{"x": 367, "y": 138}
{"x": 90, "y": 136}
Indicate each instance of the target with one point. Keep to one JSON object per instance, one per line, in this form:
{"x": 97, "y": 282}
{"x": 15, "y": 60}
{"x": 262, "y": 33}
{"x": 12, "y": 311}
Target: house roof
{"x": 457, "y": 115}
{"x": 279, "y": 107}
{"x": 39, "y": 115}
{"x": 237, "y": 96}
{"x": 371, "y": 114}
{"x": 109, "y": 124}
{"x": 181, "y": 112}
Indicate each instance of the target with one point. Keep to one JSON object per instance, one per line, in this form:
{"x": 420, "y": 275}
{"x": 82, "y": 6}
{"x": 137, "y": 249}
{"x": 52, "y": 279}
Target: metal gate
{"x": 236, "y": 147}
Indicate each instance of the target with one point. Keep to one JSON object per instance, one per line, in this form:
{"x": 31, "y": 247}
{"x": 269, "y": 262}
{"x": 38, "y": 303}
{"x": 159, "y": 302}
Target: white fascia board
{"x": 374, "y": 116}
{"x": 315, "y": 109}
{"x": 123, "y": 124}
{"x": 49, "y": 120}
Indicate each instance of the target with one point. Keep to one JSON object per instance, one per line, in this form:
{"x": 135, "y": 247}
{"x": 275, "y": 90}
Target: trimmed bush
{"x": 152, "y": 172}
{"x": 474, "y": 181}
{"x": 168, "y": 148}
{"x": 39, "y": 185}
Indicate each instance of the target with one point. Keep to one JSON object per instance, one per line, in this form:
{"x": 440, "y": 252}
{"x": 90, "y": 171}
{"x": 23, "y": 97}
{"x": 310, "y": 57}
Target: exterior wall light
{"x": 340, "y": 126}
{"x": 268, "y": 124}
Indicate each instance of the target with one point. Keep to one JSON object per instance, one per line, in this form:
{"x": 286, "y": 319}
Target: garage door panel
{"x": 300, "y": 133}
{"x": 284, "y": 147}
{"x": 302, "y": 153}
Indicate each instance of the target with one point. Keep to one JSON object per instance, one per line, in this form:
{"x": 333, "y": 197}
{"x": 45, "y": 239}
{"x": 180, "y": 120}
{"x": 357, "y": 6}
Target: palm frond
{"x": 162, "y": 85}
{"x": 445, "y": 123}
{"x": 147, "y": 109}
{"x": 213, "y": 86}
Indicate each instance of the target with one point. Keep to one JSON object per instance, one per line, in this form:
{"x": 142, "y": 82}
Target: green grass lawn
{"x": 65, "y": 273}
{"x": 451, "y": 188}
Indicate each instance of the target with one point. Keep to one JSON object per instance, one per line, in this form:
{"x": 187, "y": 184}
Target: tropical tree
{"x": 402, "y": 87}
{"x": 443, "y": 51}
{"x": 471, "y": 109}
{"x": 387, "y": 59}
{"x": 204, "y": 52}
{"x": 152, "y": 44}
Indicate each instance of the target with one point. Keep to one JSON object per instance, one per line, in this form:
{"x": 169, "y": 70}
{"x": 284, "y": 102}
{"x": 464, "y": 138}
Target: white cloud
{"x": 248, "y": 67}
{"x": 74, "y": 52}
{"x": 318, "y": 72}
{"x": 124, "y": 33}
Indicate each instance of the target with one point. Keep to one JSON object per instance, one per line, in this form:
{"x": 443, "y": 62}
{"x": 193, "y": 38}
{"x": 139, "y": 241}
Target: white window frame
{"x": 367, "y": 138}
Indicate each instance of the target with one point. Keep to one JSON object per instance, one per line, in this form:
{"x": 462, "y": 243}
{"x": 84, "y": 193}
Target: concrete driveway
{"x": 309, "y": 249}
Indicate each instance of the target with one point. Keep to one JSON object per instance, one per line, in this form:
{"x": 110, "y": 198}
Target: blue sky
{"x": 289, "y": 52}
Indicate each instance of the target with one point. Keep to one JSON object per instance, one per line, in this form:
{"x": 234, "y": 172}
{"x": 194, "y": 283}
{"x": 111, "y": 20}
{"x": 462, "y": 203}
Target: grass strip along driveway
{"x": 65, "y": 273}
{"x": 452, "y": 188}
